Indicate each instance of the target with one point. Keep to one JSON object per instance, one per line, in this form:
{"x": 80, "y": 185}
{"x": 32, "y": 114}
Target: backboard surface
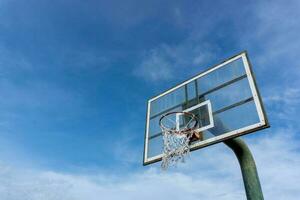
{"x": 224, "y": 98}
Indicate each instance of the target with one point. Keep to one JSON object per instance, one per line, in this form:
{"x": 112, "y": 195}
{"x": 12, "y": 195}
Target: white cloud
{"x": 82, "y": 58}
{"x": 273, "y": 37}
{"x": 278, "y": 159}
{"x": 151, "y": 184}
{"x": 283, "y": 102}
{"x": 211, "y": 173}
{"x": 36, "y": 95}
{"x": 168, "y": 62}
{"x": 155, "y": 67}
{"x": 13, "y": 62}
{"x": 288, "y": 96}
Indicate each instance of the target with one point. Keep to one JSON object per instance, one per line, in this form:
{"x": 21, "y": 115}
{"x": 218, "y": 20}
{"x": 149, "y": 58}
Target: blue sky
{"x": 75, "y": 77}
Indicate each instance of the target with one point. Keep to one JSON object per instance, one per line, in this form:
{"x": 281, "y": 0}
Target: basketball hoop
{"x": 177, "y": 136}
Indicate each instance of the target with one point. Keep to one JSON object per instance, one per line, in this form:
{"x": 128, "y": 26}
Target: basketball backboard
{"x": 224, "y": 98}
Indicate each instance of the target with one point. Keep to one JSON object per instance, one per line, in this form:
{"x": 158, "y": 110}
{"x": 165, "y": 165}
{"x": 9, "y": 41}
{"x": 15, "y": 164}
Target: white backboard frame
{"x": 263, "y": 122}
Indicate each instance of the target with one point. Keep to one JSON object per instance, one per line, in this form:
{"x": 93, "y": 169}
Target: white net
{"x": 176, "y": 147}
{"x": 177, "y": 130}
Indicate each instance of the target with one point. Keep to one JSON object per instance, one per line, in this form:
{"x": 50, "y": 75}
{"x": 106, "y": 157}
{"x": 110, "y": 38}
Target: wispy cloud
{"x": 269, "y": 30}
{"x": 168, "y": 62}
{"x": 289, "y": 96}
{"x": 211, "y": 173}
{"x": 204, "y": 176}
{"x": 36, "y": 96}
{"x": 283, "y": 103}
{"x": 273, "y": 37}
{"x": 148, "y": 185}
{"x": 278, "y": 160}
{"x": 156, "y": 66}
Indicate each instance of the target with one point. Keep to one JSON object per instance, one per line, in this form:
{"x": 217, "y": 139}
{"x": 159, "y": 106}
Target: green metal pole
{"x": 248, "y": 168}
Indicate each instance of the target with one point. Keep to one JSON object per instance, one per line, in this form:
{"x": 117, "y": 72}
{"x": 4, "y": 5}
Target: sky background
{"x": 75, "y": 77}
